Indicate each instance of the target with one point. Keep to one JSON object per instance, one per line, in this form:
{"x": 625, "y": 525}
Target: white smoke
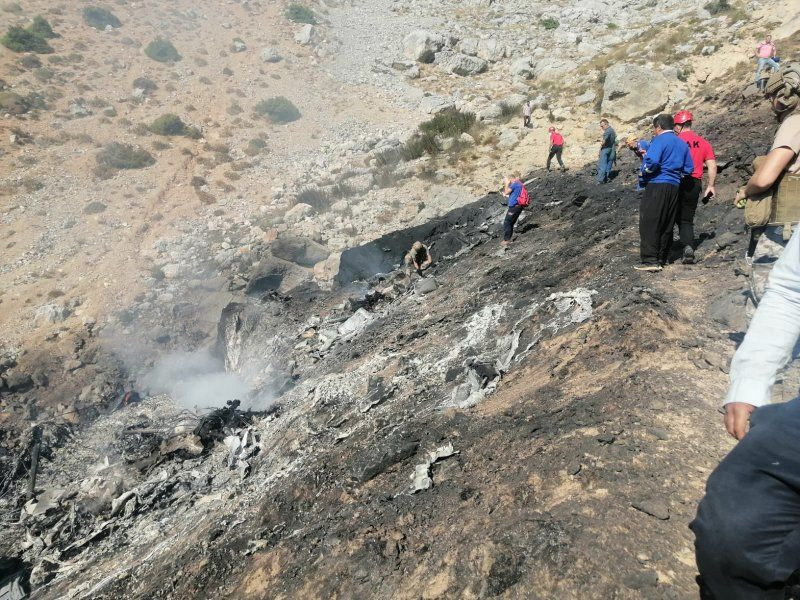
{"x": 196, "y": 380}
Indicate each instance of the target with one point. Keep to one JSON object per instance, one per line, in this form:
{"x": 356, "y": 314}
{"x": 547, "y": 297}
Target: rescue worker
{"x": 666, "y": 162}
{"x": 517, "y": 195}
{"x": 417, "y": 259}
{"x": 608, "y": 149}
{"x": 691, "y": 186}
{"x": 556, "y": 145}
{"x": 748, "y": 524}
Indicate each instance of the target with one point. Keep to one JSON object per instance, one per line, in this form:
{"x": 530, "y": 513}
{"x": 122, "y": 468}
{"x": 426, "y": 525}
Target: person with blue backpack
{"x": 518, "y": 199}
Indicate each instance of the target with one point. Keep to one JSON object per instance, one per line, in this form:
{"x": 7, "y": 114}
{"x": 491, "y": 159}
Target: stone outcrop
{"x": 631, "y": 92}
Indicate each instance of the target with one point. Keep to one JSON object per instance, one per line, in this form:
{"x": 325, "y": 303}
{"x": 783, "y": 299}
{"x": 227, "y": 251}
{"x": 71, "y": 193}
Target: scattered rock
{"x": 426, "y": 285}
{"x": 654, "y": 507}
{"x": 305, "y": 35}
{"x": 422, "y": 46}
{"x": 270, "y": 55}
{"x": 461, "y": 64}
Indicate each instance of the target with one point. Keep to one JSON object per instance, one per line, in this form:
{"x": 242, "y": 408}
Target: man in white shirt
{"x": 748, "y": 525}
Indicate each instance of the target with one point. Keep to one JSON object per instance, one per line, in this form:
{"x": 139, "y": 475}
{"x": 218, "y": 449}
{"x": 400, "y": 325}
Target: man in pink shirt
{"x": 765, "y": 52}
{"x": 691, "y": 186}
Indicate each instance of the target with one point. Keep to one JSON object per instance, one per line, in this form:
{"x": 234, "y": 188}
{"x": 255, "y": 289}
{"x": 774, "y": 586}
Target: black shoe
{"x": 688, "y": 255}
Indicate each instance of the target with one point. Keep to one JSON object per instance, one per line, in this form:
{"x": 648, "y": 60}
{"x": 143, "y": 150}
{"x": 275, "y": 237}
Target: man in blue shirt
{"x": 512, "y": 190}
{"x": 608, "y": 152}
{"x": 667, "y": 161}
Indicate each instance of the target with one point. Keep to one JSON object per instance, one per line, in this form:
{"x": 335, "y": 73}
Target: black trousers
{"x": 526, "y": 121}
{"x": 512, "y": 214}
{"x": 657, "y": 210}
{"x": 555, "y": 151}
{"x": 688, "y": 196}
{"x": 747, "y": 527}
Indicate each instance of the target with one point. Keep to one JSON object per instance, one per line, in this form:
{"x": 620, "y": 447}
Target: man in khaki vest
{"x": 748, "y": 525}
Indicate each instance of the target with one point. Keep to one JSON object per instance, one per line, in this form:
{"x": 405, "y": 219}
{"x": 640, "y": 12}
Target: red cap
{"x": 683, "y": 116}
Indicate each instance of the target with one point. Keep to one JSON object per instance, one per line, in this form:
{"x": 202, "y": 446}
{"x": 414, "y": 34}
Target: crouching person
{"x": 417, "y": 259}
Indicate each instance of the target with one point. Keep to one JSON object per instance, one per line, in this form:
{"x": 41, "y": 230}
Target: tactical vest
{"x": 778, "y": 206}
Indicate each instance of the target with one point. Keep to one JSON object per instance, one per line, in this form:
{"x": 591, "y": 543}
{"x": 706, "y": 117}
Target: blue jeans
{"x": 765, "y": 62}
{"x": 604, "y": 165}
{"x": 748, "y": 525}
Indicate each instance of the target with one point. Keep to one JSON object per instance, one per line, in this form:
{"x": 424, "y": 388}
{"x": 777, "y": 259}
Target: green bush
{"x": 718, "y": 6}
{"x": 419, "y": 145}
{"x": 278, "y": 110}
{"x": 13, "y": 103}
{"x": 319, "y": 199}
{"x": 300, "y": 14}
{"x": 549, "y": 23}
{"x": 30, "y": 61}
{"x": 143, "y": 83}
{"x": 42, "y": 28}
{"x": 24, "y": 40}
{"x": 255, "y": 146}
{"x": 170, "y": 124}
{"x": 162, "y": 50}
{"x": 449, "y": 123}
{"x": 508, "y": 110}
{"x": 100, "y": 18}
{"x": 124, "y": 156}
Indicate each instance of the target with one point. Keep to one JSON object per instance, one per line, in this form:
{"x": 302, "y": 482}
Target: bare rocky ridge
{"x": 499, "y": 429}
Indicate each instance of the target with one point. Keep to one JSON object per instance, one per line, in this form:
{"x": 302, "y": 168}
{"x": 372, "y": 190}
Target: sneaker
{"x": 688, "y": 255}
{"x": 649, "y": 268}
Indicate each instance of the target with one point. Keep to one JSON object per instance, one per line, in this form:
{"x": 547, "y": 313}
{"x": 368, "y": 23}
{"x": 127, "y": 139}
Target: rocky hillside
{"x": 499, "y": 428}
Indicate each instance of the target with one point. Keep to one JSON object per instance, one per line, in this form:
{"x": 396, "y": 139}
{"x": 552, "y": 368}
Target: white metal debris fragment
{"x": 578, "y": 303}
{"x": 356, "y": 323}
{"x": 421, "y": 478}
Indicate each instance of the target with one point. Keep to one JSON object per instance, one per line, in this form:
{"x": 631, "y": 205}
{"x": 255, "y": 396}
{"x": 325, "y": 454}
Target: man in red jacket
{"x": 702, "y": 155}
{"x": 556, "y": 148}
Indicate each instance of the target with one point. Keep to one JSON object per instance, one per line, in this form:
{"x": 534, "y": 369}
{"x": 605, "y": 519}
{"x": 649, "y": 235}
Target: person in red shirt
{"x": 556, "y": 148}
{"x": 691, "y": 186}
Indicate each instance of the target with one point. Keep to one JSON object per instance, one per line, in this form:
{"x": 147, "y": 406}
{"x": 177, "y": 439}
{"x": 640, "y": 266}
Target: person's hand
{"x": 740, "y": 198}
{"x": 737, "y": 417}
{"x": 711, "y": 190}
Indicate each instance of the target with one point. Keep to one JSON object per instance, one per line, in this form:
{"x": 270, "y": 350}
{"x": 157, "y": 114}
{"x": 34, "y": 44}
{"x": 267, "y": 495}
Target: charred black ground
{"x": 576, "y": 478}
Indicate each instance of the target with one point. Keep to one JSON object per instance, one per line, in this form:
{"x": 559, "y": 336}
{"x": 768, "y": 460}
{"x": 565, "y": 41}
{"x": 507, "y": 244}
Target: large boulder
{"x": 464, "y": 65}
{"x": 299, "y": 250}
{"x": 551, "y": 69}
{"x": 491, "y": 50}
{"x": 422, "y": 46}
{"x": 522, "y": 67}
{"x": 631, "y": 92}
{"x": 267, "y": 276}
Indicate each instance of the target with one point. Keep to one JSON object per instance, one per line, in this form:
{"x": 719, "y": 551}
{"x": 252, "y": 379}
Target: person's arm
{"x": 768, "y": 345}
{"x": 711, "y": 165}
{"x": 652, "y": 160}
{"x": 506, "y": 188}
{"x": 764, "y": 178}
{"x": 428, "y": 261}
